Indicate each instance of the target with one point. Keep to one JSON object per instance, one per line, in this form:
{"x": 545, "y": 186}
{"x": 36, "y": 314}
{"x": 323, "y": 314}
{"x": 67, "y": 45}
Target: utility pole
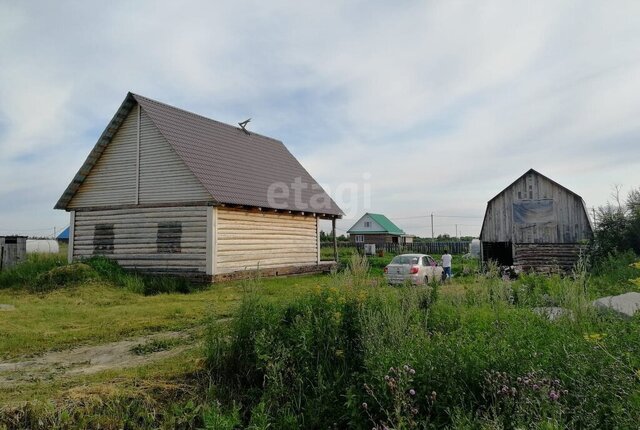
{"x": 456, "y": 231}
{"x": 432, "y": 237}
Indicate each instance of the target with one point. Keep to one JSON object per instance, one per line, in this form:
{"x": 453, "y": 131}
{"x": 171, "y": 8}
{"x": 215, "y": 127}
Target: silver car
{"x": 418, "y": 269}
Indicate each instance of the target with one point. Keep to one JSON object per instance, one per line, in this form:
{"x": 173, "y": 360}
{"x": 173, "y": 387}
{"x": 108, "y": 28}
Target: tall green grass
{"x": 26, "y": 273}
{"x": 358, "y": 355}
{"x": 45, "y": 272}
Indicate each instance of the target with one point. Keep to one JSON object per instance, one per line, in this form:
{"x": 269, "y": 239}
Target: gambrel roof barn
{"x": 169, "y": 191}
{"x": 535, "y": 223}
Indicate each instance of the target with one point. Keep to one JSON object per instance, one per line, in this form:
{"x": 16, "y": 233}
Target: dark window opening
{"x": 500, "y": 252}
{"x": 103, "y": 239}
{"x": 169, "y": 237}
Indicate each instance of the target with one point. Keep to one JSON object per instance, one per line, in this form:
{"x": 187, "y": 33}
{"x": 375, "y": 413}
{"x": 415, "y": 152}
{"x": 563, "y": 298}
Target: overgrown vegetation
{"x": 339, "y": 351}
{"x": 46, "y": 272}
{"x": 27, "y": 273}
{"x": 353, "y": 355}
{"x": 618, "y": 226}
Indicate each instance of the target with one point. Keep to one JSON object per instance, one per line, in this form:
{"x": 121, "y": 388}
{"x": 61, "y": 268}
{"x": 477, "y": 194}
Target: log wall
{"x": 247, "y": 240}
{"x": 547, "y": 258}
{"x": 168, "y": 240}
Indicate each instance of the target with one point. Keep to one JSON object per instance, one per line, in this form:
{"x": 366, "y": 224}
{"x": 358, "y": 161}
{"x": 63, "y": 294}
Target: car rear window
{"x": 404, "y": 259}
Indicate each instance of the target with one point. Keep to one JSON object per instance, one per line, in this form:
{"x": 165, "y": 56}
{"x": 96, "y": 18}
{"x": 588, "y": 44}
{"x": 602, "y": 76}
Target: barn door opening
{"x": 500, "y": 252}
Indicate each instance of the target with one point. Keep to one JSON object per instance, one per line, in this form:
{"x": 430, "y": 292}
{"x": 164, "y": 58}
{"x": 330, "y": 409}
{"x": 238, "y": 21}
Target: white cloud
{"x": 444, "y": 103}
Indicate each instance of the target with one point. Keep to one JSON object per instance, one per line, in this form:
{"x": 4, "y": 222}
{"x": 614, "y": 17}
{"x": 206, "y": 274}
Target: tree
{"x": 618, "y": 228}
{"x": 633, "y": 220}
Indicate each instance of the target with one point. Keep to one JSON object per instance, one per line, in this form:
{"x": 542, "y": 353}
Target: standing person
{"x": 446, "y": 263}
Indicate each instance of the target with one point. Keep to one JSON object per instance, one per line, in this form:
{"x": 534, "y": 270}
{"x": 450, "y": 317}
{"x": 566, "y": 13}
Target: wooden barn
{"x": 536, "y": 224}
{"x": 167, "y": 191}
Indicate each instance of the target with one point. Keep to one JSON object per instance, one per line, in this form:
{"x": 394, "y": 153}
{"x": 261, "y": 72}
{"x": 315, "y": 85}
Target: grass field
{"x": 464, "y": 320}
{"x": 98, "y": 312}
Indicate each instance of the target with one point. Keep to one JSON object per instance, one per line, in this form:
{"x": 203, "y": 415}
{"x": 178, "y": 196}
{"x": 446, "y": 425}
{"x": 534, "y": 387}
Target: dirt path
{"x": 91, "y": 359}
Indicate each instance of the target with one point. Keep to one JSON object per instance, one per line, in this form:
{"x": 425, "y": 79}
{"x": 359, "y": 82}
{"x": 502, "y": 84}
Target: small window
{"x": 531, "y": 194}
{"x": 169, "y": 237}
{"x": 103, "y": 239}
{"x": 519, "y": 194}
{"x": 367, "y": 224}
{"x": 425, "y": 261}
{"x": 359, "y": 238}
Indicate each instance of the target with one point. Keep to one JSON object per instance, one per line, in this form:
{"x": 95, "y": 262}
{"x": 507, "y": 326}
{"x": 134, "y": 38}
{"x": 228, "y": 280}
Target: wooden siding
{"x": 248, "y": 240}
{"x": 360, "y": 226}
{"x": 139, "y": 166}
{"x": 378, "y": 239}
{"x": 164, "y": 177}
{"x": 157, "y": 240}
{"x": 112, "y": 180}
{"x": 568, "y": 222}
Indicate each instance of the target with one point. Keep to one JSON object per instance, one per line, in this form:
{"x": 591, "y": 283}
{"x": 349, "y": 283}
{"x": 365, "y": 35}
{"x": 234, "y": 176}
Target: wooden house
{"x": 377, "y": 229}
{"x": 168, "y": 191}
{"x": 535, "y": 223}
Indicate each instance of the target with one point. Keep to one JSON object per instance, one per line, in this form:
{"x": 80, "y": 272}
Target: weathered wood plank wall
{"x": 13, "y": 251}
{"x": 158, "y": 240}
{"x": 566, "y": 222}
{"x": 246, "y": 240}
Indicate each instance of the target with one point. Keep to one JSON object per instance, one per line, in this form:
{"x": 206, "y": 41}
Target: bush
{"x": 63, "y": 276}
{"x": 25, "y": 273}
{"x": 111, "y": 271}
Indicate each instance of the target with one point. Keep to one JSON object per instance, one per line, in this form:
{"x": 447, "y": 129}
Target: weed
{"x": 487, "y": 360}
{"x": 155, "y": 345}
{"x": 61, "y": 277}
{"x": 24, "y": 274}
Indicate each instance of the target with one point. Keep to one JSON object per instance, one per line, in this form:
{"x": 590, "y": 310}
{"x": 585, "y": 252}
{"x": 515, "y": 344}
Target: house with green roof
{"x": 377, "y": 229}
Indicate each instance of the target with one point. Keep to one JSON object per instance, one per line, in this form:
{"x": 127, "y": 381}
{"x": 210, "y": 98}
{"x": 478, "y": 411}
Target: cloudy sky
{"x": 434, "y": 106}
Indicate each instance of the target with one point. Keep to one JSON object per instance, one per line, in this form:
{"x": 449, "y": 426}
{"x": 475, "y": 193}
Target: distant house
{"x": 168, "y": 191}
{"x": 377, "y": 229}
{"x": 535, "y": 223}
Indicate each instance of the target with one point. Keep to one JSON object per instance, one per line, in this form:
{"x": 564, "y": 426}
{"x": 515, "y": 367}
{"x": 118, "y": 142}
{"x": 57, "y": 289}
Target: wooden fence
{"x": 417, "y": 247}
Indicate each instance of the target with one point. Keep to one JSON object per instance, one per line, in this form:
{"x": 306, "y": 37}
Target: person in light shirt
{"x": 446, "y": 263}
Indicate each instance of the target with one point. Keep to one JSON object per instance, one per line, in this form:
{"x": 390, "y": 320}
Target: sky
{"x": 406, "y": 108}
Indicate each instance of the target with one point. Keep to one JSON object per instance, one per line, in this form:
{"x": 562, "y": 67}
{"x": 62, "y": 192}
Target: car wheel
{"x": 426, "y": 280}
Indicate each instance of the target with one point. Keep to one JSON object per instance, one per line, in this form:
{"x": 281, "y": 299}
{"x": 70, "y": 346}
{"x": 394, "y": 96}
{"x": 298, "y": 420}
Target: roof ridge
{"x": 147, "y": 99}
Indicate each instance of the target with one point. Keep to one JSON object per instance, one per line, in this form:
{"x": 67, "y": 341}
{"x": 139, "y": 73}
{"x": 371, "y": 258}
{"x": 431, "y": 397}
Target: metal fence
{"x": 417, "y": 247}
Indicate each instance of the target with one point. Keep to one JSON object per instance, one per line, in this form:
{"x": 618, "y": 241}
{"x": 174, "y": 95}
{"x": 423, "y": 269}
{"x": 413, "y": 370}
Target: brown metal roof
{"x": 235, "y": 167}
